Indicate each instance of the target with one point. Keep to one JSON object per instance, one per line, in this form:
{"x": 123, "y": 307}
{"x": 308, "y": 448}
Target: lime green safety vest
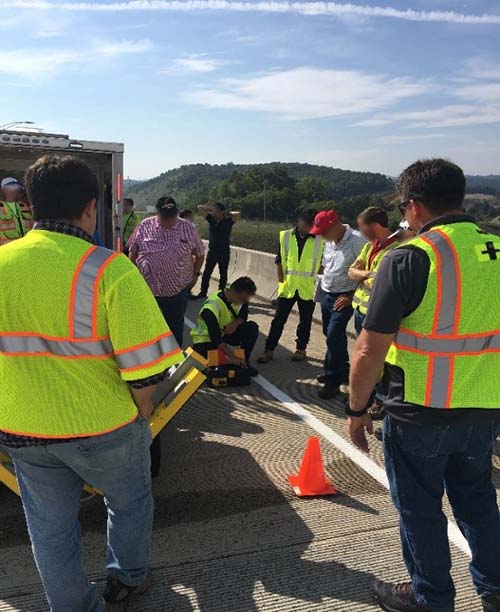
{"x": 68, "y": 340}
{"x": 224, "y": 316}
{"x": 15, "y": 221}
{"x": 130, "y": 221}
{"x": 300, "y": 274}
{"x": 364, "y": 290}
{"x": 449, "y": 347}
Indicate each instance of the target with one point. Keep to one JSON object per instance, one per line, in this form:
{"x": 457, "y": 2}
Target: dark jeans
{"x": 421, "y": 462}
{"x": 174, "y": 309}
{"x": 334, "y": 327}
{"x": 358, "y": 321}
{"x": 245, "y": 336}
{"x": 283, "y": 309}
{"x": 214, "y": 259}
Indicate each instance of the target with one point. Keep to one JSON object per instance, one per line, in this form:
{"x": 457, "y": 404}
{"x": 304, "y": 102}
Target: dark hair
{"x": 374, "y": 214}
{"x": 129, "y": 200}
{"x": 308, "y": 215}
{"x": 438, "y": 183}
{"x": 187, "y": 212}
{"x": 167, "y": 207}
{"x": 244, "y": 284}
{"x": 60, "y": 187}
{"x": 220, "y": 206}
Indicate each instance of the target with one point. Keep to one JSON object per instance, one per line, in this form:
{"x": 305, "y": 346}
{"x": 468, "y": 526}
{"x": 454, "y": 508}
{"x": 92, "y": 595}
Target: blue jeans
{"x": 174, "y": 309}
{"x": 51, "y": 478}
{"x": 421, "y": 463}
{"x": 334, "y": 327}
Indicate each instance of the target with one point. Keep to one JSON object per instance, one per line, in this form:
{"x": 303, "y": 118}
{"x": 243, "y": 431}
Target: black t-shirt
{"x": 219, "y": 233}
{"x": 301, "y": 243}
{"x": 398, "y": 291}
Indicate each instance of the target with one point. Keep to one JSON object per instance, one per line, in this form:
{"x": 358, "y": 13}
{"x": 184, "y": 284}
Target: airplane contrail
{"x": 279, "y": 6}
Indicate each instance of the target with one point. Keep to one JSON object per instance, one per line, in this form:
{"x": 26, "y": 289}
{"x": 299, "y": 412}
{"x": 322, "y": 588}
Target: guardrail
{"x": 261, "y": 268}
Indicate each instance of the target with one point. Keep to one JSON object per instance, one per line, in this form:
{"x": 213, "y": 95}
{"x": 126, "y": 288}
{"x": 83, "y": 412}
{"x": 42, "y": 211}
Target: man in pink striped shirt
{"x": 169, "y": 253}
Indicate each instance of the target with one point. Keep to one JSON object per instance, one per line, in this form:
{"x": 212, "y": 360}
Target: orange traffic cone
{"x": 311, "y": 479}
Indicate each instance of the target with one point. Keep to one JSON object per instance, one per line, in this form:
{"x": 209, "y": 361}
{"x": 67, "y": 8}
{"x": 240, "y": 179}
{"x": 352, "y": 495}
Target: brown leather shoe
{"x": 266, "y": 357}
{"x": 299, "y": 356}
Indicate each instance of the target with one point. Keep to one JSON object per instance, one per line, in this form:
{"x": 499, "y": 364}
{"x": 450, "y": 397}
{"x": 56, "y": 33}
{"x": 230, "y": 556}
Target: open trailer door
{"x": 18, "y": 150}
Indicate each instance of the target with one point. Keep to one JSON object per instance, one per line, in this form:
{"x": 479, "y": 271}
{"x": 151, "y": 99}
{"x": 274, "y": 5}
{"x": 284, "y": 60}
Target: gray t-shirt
{"x": 399, "y": 289}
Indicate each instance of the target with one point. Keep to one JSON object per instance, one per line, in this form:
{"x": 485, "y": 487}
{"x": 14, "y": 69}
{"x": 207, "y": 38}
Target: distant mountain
{"x": 194, "y": 184}
{"x": 489, "y": 184}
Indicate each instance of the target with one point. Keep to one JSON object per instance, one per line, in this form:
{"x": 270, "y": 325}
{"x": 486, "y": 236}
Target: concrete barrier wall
{"x": 261, "y": 268}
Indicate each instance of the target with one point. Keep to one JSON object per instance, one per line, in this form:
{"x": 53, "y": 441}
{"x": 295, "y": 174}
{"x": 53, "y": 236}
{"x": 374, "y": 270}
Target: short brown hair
{"x": 375, "y": 214}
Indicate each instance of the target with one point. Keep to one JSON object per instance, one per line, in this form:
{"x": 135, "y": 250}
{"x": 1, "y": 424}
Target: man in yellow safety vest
{"x": 130, "y": 220}
{"x": 433, "y": 318}
{"x": 77, "y": 374}
{"x": 223, "y": 323}
{"x": 298, "y": 263}
{"x": 15, "y": 211}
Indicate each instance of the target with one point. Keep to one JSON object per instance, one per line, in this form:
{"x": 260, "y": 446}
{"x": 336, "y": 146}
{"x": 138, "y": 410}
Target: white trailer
{"x": 19, "y": 149}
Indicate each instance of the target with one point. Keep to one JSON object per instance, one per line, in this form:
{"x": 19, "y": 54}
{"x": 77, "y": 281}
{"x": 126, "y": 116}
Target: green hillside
{"x": 278, "y": 188}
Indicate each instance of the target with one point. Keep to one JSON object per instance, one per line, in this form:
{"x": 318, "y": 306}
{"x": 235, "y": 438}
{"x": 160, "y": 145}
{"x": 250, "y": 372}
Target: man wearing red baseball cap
{"x": 342, "y": 248}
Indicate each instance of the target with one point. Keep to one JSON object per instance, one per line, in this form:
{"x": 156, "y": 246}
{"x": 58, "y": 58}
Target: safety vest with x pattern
{"x": 299, "y": 273}
{"x": 449, "y": 347}
{"x": 77, "y": 322}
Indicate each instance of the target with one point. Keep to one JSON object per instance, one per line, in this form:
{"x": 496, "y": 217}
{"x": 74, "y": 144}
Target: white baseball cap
{"x": 9, "y": 182}
{"x": 404, "y": 225}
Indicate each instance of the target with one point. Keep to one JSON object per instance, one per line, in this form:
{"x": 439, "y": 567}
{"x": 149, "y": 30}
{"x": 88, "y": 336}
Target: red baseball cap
{"x": 324, "y": 220}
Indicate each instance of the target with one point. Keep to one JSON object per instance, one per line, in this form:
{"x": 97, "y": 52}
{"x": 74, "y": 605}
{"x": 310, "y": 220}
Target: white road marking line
{"x": 345, "y": 447}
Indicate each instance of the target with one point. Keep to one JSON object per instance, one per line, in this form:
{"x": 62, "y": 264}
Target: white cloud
{"x": 306, "y": 93}
{"x": 198, "y": 63}
{"x": 403, "y": 138}
{"x": 39, "y": 64}
{"x": 442, "y": 117}
{"x": 338, "y": 9}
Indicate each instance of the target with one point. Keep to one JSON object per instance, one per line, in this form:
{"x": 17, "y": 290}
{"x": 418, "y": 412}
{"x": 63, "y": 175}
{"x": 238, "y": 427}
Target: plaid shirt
{"x": 16, "y": 441}
{"x": 165, "y": 257}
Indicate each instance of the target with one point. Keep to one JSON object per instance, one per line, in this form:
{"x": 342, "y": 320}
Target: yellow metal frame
{"x": 169, "y": 398}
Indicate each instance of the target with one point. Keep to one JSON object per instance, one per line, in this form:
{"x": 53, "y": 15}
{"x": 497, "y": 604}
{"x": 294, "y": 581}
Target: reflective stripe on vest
{"x": 82, "y": 341}
{"x": 446, "y": 321}
{"x": 286, "y": 249}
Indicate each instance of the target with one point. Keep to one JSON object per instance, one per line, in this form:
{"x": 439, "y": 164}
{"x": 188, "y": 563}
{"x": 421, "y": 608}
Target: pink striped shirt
{"x": 164, "y": 256}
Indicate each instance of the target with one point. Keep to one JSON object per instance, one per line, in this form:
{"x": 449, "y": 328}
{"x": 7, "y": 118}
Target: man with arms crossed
{"x": 76, "y": 377}
{"x": 433, "y": 318}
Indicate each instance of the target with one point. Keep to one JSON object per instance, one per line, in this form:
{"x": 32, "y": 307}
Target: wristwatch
{"x": 354, "y": 413}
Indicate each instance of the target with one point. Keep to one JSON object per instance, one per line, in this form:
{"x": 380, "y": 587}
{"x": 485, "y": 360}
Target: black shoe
{"x": 396, "y": 597}
{"x": 252, "y": 371}
{"x": 321, "y": 378}
{"x": 328, "y": 392}
{"x": 200, "y": 296}
{"x": 491, "y": 603}
{"x": 118, "y": 595}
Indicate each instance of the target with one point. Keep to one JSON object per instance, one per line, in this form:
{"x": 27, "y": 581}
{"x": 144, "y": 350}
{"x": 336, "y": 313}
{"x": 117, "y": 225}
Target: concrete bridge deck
{"x": 229, "y": 533}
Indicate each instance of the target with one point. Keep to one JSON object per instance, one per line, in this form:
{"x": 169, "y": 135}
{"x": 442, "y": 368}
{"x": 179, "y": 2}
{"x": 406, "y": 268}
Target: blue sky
{"x": 365, "y": 86}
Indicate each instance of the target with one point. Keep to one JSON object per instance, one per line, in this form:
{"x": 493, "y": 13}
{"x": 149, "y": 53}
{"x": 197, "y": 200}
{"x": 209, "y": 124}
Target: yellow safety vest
{"x": 130, "y": 221}
{"x": 68, "y": 341}
{"x": 15, "y": 221}
{"x": 224, "y": 316}
{"x": 364, "y": 290}
{"x": 449, "y": 347}
{"x": 300, "y": 274}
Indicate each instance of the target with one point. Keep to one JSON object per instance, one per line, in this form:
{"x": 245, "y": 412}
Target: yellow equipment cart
{"x": 168, "y": 399}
